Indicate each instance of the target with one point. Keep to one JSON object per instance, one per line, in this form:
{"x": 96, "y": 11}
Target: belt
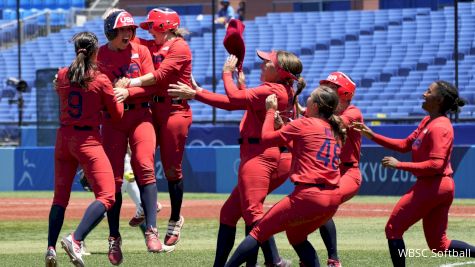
{"x": 348, "y": 164}
{"x": 80, "y": 128}
{"x": 161, "y": 99}
{"x": 249, "y": 140}
{"x": 283, "y": 149}
{"x": 132, "y": 106}
{"x": 321, "y": 186}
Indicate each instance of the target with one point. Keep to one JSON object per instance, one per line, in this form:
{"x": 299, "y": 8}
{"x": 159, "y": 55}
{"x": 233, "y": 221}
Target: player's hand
{"x": 241, "y": 79}
{"x": 182, "y": 91}
{"x": 363, "y": 129}
{"x": 389, "y": 162}
{"x": 122, "y": 82}
{"x": 230, "y": 64}
{"x": 278, "y": 122}
{"x": 271, "y": 102}
{"x": 121, "y": 94}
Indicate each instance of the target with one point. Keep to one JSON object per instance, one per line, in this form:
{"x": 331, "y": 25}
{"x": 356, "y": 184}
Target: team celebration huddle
{"x": 121, "y": 101}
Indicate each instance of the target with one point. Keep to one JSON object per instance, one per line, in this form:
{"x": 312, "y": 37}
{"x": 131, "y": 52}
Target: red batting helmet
{"x": 161, "y": 20}
{"x": 346, "y": 86}
{"x": 115, "y": 20}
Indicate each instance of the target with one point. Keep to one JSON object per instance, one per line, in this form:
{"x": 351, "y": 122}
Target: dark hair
{"x": 85, "y": 45}
{"x": 291, "y": 63}
{"x": 327, "y": 100}
{"x": 450, "y": 97}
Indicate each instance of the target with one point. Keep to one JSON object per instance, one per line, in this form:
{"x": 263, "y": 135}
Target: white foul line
{"x": 458, "y": 264}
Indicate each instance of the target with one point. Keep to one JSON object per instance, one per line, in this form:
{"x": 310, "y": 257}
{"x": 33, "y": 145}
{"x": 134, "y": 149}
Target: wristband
{"x": 135, "y": 82}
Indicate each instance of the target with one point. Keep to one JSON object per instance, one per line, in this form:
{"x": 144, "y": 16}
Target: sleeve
{"x": 235, "y": 95}
{"x": 351, "y": 115}
{"x": 255, "y": 97}
{"x": 429, "y": 167}
{"x": 217, "y": 100}
{"x": 115, "y": 109}
{"x": 282, "y": 136}
{"x": 177, "y": 57}
{"x": 400, "y": 145}
{"x": 441, "y": 140}
{"x": 146, "y": 67}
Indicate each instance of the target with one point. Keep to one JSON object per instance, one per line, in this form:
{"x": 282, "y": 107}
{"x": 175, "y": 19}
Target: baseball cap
{"x": 272, "y": 56}
{"x": 234, "y": 41}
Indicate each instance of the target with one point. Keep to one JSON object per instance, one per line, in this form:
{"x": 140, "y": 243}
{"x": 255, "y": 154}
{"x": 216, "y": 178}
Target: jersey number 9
{"x": 75, "y": 104}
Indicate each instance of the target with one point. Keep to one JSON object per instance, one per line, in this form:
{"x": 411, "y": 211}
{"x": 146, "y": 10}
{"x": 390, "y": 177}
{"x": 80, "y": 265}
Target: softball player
{"x": 122, "y": 58}
{"x": 350, "y": 155}
{"x": 83, "y": 92}
{"x": 258, "y": 161}
{"x": 172, "y": 117}
{"x": 430, "y": 197}
{"x": 317, "y": 139}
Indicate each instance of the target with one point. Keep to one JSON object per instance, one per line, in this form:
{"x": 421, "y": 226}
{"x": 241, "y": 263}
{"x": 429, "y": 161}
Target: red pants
{"x": 428, "y": 199}
{"x": 299, "y": 214}
{"x": 258, "y": 165}
{"x": 136, "y": 128}
{"x": 75, "y": 147}
{"x": 171, "y": 128}
{"x": 350, "y": 182}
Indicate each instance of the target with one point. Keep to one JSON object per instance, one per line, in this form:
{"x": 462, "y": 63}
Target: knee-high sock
{"x": 99, "y": 220}
{"x": 148, "y": 193}
{"x": 93, "y": 213}
{"x": 224, "y": 245}
{"x": 113, "y": 216}
{"x": 251, "y": 260}
{"x": 460, "y": 246}
{"x": 269, "y": 249}
{"x": 134, "y": 193}
{"x": 328, "y": 233}
{"x": 56, "y": 219}
{"x": 175, "y": 190}
{"x": 396, "y": 249}
{"x": 246, "y": 249}
{"x": 307, "y": 254}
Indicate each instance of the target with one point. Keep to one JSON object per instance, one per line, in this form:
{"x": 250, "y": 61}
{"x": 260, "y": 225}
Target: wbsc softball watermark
{"x": 432, "y": 253}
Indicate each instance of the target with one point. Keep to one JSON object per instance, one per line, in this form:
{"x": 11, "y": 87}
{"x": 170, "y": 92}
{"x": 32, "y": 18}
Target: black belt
{"x": 161, "y": 99}
{"x": 321, "y": 186}
{"x": 250, "y": 140}
{"x": 132, "y": 106}
{"x": 348, "y": 164}
{"x": 283, "y": 149}
{"x": 81, "y": 128}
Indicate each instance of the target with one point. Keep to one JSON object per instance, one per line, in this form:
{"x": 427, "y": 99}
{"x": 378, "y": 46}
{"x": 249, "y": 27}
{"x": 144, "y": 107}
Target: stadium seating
{"x": 393, "y": 55}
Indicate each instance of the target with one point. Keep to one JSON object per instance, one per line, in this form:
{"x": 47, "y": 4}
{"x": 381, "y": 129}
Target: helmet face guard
{"x": 116, "y": 20}
{"x": 161, "y": 20}
{"x": 346, "y": 86}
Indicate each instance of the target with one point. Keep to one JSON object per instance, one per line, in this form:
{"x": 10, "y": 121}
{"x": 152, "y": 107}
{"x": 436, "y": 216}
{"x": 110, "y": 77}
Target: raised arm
{"x": 400, "y": 145}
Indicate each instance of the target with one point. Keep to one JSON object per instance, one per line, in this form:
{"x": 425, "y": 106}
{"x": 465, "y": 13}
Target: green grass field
{"x": 361, "y": 241}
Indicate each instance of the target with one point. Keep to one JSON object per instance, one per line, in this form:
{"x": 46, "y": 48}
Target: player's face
{"x": 432, "y": 99}
{"x": 159, "y": 37}
{"x": 268, "y": 72}
{"x": 124, "y": 35}
{"x": 312, "y": 107}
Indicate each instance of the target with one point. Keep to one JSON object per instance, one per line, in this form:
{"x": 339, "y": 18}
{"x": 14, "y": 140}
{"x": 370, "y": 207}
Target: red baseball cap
{"x": 272, "y": 56}
{"x": 234, "y": 41}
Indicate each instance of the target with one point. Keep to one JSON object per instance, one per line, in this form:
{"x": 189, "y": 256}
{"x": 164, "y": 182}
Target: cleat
{"x": 174, "y": 231}
{"x": 167, "y": 249}
{"x": 73, "y": 249}
{"x": 84, "y": 249}
{"x": 333, "y": 263}
{"x": 282, "y": 263}
{"x": 151, "y": 240}
{"x": 50, "y": 258}
{"x": 139, "y": 217}
{"x": 115, "y": 252}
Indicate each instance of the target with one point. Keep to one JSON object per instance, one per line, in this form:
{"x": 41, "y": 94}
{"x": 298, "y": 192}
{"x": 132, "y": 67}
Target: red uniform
{"x": 136, "y": 126}
{"x": 350, "y": 155}
{"x": 78, "y": 140}
{"x": 430, "y": 197}
{"x": 314, "y": 170}
{"x": 172, "y": 118}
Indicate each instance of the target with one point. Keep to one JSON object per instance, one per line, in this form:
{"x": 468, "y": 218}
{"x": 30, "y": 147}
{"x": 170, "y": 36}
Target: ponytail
{"x": 300, "y": 86}
{"x": 81, "y": 69}
{"x": 338, "y": 128}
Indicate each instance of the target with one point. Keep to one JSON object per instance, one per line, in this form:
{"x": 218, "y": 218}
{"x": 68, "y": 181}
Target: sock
{"x": 328, "y": 233}
{"x": 113, "y": 216}
{"x": 269, "y": 249}
{"x": 224, "y": 245}
{"x": 251, "y": 260}
{"x": 56, "y": 219}
{"x": 307, "y": 254}
{"x": 246, "y": 249}
{"x": 149, "y": 202}
{"x": 460, "y": 246}
{"x": 99, "y": 220}
{"x": 175, "y": 190}
{"x": 143, "y": 228}
{"x": 396, "y": 248}
{"x": 94, "y": 212}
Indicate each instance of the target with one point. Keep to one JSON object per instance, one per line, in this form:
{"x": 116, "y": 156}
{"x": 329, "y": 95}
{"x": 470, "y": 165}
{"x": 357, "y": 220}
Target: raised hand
{"x": 230, "y": 64}
{"x": 182, "y": 91}
{"x": 363, "y": 129}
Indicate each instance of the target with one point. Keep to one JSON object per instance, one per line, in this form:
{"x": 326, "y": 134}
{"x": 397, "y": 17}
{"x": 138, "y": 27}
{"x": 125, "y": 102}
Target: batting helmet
{"x": 115, "y": 20}
{"x": 161, "y": 19}
{"x": 346, "y": 86}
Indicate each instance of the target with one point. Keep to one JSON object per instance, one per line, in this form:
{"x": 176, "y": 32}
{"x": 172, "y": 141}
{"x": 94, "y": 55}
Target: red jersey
{"x": 315, "y": 152}
{"x": 431, "y": 140}
{"x": 254, "y": 100}
{"x": 351, "y": 150}
{"x": 132, "y": 62}
{"x": 83, "y": 106}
